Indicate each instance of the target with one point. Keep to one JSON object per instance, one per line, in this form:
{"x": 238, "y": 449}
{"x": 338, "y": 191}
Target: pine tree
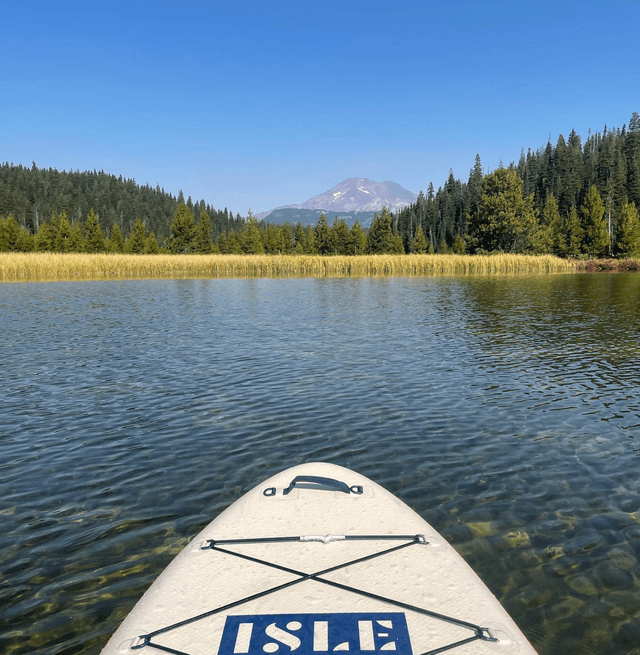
{"x": 181, "y": 231}
{"x": 573, "y": 177}
{"x": 459, "y": 245}
{"x": 26, "y": 241}
{"x": 202, "y": 235}
{"x": 552, "y": 238}
{"x": 632, "y": 151}
{"x": 94, "y": 237}
{"x": 136, "y": 242}
{"x": 561, "y": 171}
{"x": 474, "y": 186}
{"x": 381, "y": 238}
{"x": 222, "y": 243}
{"x": 300, "y": 238}
{"x": 628, "y": 236}
{"x": 65, "y": 238}
{"x": 233, "y": 244}
{"x": 275, "y": 243}
{"x": 250, "y": 238}
{"x": 286, "y": 238}
{"x": 151, "y": 246}
{"x": 574, "y": 233}
{"x": 419, "y": 242}
{"x": 45, "y": 237}
{"x": 323, "y": 237}
{"x": 342, "y": 240}
{"x": 358, "y": 239}
{"x": 115, "y": 243}
{"x": 506, "y": 221}
{"x": 9, "y": 234}
{"x": 597, "y": 242}
{"x": 77, "y": 237}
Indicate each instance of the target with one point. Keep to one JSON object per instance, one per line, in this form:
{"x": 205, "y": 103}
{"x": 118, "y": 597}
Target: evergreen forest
{"x": 574, "y": 198}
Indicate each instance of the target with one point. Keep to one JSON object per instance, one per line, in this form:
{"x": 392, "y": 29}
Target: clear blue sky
{"x": 254, "y": 104}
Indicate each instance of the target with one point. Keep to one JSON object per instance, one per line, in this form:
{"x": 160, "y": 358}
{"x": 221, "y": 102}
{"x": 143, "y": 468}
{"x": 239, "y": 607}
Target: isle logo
{"x": 316, "y": 634}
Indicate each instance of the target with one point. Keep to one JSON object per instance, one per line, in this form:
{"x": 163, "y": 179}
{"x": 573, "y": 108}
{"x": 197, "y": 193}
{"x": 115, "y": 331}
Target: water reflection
{"x": 504, "y": 410}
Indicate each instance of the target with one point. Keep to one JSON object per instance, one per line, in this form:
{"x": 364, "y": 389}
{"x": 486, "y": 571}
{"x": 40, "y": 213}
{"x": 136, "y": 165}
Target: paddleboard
{"x": 318, "y": 560}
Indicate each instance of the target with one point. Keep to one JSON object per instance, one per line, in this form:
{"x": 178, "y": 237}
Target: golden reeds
{"x": 23, "y": 267}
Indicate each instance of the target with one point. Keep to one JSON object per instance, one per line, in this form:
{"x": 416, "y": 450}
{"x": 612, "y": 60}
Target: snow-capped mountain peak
{"x": 357, "y": 194}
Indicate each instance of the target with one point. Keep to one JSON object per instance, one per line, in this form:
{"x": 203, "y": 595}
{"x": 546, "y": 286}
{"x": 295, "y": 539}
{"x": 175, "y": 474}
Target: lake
{"x": 504, "y": 410}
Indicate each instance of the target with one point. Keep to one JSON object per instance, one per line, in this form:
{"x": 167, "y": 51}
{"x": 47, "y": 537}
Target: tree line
{"x": 570, "y": 199}
{"x": 34, "y": 196}
{"x": 190, "y": 236}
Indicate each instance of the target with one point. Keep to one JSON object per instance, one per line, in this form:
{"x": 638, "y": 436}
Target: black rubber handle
{"x": 330, "y": 483}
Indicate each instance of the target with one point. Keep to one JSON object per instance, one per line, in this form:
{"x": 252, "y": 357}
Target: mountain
{"x": 354, "y": 195}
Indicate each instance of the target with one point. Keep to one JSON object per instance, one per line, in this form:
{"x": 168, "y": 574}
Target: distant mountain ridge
{"x": 351, "y": 196}
{"x": 292, "y": 216}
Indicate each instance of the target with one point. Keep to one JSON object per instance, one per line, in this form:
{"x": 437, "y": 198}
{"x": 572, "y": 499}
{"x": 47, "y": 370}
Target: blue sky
{"x": 258, "y": 104}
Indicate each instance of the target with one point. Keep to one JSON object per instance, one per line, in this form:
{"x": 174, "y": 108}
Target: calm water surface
{"x": 506, "y": 411}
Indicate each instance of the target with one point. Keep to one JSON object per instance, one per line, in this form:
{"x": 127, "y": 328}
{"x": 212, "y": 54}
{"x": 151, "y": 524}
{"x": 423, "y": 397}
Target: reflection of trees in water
{"x": 586, "y": 325}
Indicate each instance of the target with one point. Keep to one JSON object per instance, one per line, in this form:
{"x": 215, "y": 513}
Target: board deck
{"x": 315, "y": 560}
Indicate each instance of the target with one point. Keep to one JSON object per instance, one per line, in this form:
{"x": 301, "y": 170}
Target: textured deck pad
{"x": 318, "y": 559}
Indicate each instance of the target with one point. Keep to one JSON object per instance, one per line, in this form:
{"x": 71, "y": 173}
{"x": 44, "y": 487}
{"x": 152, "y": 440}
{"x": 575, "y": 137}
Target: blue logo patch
{"x": 365, "y": 633}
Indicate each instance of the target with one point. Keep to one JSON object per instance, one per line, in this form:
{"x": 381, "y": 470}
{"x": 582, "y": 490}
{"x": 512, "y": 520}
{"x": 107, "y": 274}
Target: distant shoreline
{"x": 608, "y": 266}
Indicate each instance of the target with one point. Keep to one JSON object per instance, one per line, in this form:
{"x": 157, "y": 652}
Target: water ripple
{"x": 505, "y": 411}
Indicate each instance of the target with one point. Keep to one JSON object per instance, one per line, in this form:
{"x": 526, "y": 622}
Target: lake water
{"x": 506, "y": 411}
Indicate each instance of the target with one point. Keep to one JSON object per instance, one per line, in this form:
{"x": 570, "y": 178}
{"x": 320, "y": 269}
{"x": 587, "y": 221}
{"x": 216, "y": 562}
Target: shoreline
{"x": 608, "y": 265}
{"x": 41, "y": 267}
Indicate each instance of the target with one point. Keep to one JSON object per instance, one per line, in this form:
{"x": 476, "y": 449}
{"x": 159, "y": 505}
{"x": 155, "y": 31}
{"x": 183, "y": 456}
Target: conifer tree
{"x": 323, "y": 237}
{"x": 275, "y": 242}
{"x": 286, "y": 238}
{"x": 181, "y": 231}
{"x": 299, "y": 237}
{"x": 250, "y": 237}
{"x": 151, "y": 246}
{"x": 628, "y": 236}
{"x": 551, "y": 235}
{"x": 202, "y": 236}
{"x": 26, "y": 241}
{"x": 312, "y": 247}
{"x": 9, "y": 234}
{"x": 573, "y": 233}
{"x": 632, "y": 151}
{"x": 233, "y": 244}
{"x": 419, "y": 242}
{"x": 136, "y": 242}
{"x": 459, "y": 245}
{"x": 476, "y": 175}
{"x": 115, "y": 243}
{"x": 342, "y": 238}
{"x": 77, "y": 236}
{"x": 94, "y": 237}
{"x": 45, "y": 237}
{"x": 222, "y": 243}
{"x": 381, "y": 238}
{"x": 597, "y": 242}
{"x": 65, "y": 240}
{"x": 358, "y": 239}
{"x": 506, "y": 221}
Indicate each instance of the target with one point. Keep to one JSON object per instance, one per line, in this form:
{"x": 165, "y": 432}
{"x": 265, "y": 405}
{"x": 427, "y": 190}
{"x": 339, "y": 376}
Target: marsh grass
{"x": 36, "y": 267}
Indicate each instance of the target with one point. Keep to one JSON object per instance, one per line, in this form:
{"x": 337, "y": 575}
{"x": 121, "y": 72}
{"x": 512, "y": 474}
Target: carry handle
{"x": 334, "y": 485}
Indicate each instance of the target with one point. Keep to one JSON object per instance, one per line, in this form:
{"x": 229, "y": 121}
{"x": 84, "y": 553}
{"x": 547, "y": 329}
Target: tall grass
{"x": 21, "y": 267}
